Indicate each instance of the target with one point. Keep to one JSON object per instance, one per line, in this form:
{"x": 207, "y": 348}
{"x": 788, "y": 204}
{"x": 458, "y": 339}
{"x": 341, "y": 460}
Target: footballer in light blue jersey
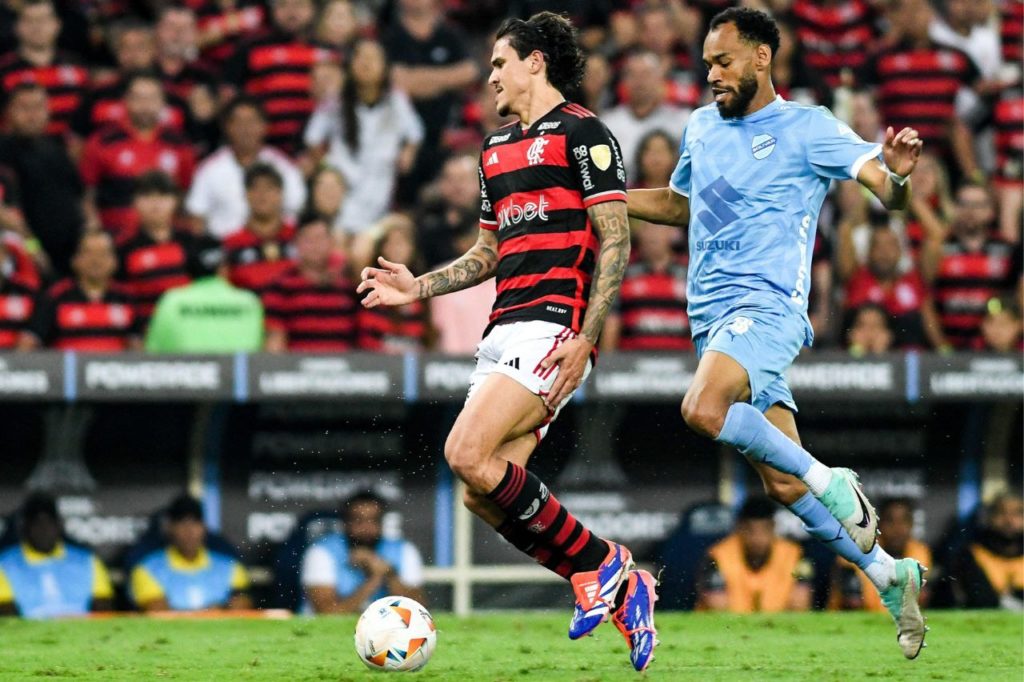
{"x": 752, "y": 174}
{"x": 755, "y": 186}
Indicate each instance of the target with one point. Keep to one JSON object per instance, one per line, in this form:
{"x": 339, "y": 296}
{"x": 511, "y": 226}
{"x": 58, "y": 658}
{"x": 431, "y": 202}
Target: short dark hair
{"x": 204, "y": 258}
{"x": 890, "y": 502}
{"x": 262, "y": 170}
{"x": 361, "y": 497}
{"x": 310, "y": 219}
{"x": 754, "y": 26}
{"x": 555, "y": 37}
{"x": 185, "y": 507}
{"x": 756, "y": 509}
{"x": 238, "y": 102}
{"x": 36, "y": 505}
{"x": 155, "y": 182}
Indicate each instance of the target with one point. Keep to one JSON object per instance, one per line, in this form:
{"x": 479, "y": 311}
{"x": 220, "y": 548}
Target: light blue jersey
{"x": 756, "y": 186}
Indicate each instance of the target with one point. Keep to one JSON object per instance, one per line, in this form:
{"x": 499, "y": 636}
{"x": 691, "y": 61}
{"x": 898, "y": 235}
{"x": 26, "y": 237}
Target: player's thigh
{"x": 781, "y": 487}
{"x": 499, "y": 410}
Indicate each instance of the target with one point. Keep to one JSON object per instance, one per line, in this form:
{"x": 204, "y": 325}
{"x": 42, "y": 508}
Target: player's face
{"x": 187, "y": 535}
{"x": 245, "y": 128}
{"x": 756, "y": 536}
{"x": 27, "y": 113}
{"x": 265, "y": 199}
{"x": 144, "y": 102}
{"x": 896, "y": 526}
{"x": 42, "y": 533}
{"x": 363, "y": 525}
{"x": 510, "y": 77}
{"x": 732, "y": 71}
{"x": 38, "y": 26}
{"x": 156, "y": 210}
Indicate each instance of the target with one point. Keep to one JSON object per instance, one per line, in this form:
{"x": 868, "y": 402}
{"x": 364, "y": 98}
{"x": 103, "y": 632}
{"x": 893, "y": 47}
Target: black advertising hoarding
{"x": 967, "y": 377}
{"x": 135, "y": 376}
{"x": 352, "y": 376}
{"x": 32, "y": 376}
{"x": 837, "y": 376}
{"x": 444, "y": 377}
{"x": 644, "y": 377}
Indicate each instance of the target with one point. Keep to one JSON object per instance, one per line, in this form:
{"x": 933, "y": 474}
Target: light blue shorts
{"x": 764, "y": 341}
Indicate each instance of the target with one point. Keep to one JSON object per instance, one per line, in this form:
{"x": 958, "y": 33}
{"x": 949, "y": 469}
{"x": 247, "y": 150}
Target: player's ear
{"x": 764, "y": 56}
{"x": 536, "y": 61}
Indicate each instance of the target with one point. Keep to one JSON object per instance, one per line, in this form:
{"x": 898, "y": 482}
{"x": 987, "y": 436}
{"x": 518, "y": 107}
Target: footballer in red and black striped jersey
{"x": 536, "y": 187}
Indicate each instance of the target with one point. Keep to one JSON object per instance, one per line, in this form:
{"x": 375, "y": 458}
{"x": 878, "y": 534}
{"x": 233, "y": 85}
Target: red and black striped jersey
{"x": 536, "y": 187}
{"x": 652, "y": 307}
{"x": 318, "y": 317}
{"x": 255, "y": 262}
{"x": 965, "y": 283}
{"x": 835, "y": 36}
{"x": 918, "y": 87}
{"x": 277, "y": 69}
{"x": 402, "y": 329}
{"x": 116, "y": 155}
{"x": 65, "y": 80}
{"x": 19, "y": 290}
{"x": 67, "y": 319}
{"x": 149, "y": 268}
{"x": 1011, "y": 30}
{"x": 1008, "y": 120}
{"x": 232, "y": 25}
{"x": 104, "y": 105}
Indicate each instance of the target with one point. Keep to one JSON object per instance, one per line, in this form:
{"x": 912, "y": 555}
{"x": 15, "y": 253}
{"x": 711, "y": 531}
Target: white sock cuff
{"x": 817, "y": 478}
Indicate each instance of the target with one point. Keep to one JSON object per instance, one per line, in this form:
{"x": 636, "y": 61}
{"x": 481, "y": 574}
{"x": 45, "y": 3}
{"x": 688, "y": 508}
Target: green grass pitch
{"x": 519, "y": 646}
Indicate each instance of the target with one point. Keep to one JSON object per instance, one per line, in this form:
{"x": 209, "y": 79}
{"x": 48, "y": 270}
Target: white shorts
{"x": 516, "y": 350}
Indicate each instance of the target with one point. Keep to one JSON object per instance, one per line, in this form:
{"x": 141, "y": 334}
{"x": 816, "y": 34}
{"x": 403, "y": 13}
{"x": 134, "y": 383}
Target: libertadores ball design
{"x": 395, "y": 634}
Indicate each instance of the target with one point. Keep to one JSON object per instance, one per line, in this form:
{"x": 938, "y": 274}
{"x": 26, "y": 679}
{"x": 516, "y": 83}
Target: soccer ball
{"x": 395, "y": 634}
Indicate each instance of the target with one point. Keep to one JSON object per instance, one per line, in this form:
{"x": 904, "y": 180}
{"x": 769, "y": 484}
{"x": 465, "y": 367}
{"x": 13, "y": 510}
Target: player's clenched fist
{"x": 390, "y": 284}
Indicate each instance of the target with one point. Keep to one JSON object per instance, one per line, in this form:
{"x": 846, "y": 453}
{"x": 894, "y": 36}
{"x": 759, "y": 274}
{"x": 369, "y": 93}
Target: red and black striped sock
{"x": 529, "y": 506}
{"x": 527, "y": 543}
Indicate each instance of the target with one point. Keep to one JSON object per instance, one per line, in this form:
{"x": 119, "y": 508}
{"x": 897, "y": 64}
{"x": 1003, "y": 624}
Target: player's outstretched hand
{"x": 390, "y": 284}
{"x": 902, "y": 150}
{"x": 571, "y": 358}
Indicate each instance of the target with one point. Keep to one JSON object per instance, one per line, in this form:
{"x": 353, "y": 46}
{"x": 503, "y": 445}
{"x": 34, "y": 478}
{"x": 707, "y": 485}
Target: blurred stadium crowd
{"x": 338, "y": 561}
{"x": 278, "y": 147}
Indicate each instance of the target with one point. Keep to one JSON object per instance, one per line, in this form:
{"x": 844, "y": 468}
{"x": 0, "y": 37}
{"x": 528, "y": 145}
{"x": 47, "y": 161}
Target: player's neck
{"x": 539, "y": 103}
{"x": 763, "y": 98}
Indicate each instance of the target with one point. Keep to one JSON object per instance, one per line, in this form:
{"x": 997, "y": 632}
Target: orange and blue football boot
{"x": 635, "y": 618}
{"x": 596, "y": 590}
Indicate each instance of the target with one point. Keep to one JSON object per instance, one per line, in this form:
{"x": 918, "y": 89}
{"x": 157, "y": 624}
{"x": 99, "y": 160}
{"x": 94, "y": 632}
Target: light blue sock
{"x": 823, "y": 527}
{"x": 747, "y": 430}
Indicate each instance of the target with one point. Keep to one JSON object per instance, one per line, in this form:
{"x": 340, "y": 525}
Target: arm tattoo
{"x": 609, "y": 219}
{"x": 475, "y": 266}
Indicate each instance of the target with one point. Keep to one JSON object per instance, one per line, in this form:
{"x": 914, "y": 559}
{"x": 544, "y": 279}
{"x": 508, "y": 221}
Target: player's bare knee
{"x": 465, "y": 456}
{"x": 702, "y": 416}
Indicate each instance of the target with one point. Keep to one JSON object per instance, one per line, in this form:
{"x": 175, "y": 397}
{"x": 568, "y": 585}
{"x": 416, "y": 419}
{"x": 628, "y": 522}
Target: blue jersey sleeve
{"x": 834, "y": 150}
{"x": 680, "y": 181}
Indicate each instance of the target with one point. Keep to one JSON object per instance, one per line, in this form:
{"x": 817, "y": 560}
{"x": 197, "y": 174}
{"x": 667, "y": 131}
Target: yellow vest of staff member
{"x": 767, "y": 589}
{"x": 1005, "y": 575}
{"x": 869, "y": 593}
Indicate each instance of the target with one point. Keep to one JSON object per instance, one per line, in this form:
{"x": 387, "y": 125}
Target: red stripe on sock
{"x": 580, "y": 543}
{"x": 547, "y": 514}
{"x": 567, "y": 528}
{"x": 512, "y": 488}
{"x": 563, "y": 569}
